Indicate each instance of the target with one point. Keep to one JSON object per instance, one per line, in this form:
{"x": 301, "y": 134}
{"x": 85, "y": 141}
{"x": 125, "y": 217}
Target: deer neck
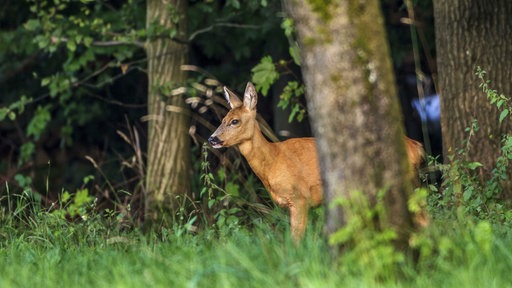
{"x": 259, "y": 153}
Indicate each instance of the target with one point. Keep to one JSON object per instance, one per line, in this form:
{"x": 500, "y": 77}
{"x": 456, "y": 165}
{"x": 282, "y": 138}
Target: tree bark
{"x": 352, "y": 101}
{"x": 471, "y": 33}
{"x": 168, "y": 161}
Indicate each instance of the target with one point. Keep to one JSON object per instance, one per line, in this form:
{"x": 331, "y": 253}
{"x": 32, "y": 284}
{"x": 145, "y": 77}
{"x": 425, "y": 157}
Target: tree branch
{"x": 139, "y": 44}
{"x": 210, "y": 28}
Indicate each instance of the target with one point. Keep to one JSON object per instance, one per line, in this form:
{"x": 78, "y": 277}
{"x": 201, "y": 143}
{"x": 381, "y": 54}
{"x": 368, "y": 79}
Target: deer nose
{"x": 214, "y": 140}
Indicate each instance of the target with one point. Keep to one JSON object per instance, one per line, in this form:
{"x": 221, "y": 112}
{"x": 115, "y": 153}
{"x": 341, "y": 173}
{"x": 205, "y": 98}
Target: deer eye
{"x": 234, "y": 122}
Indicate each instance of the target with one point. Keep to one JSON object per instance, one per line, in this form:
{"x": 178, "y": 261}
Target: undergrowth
{"x": 463, "y": 186}
{"x": 48, "y": 251}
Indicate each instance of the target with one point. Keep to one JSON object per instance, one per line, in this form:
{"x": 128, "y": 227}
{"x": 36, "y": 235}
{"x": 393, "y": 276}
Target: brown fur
{"x": 289, "y": 169}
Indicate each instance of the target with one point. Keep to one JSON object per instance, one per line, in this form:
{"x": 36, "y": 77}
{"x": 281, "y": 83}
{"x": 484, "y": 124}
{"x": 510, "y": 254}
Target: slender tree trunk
{"x": 168, "y": 162}
{"x": 352, "y": 101}
{"x": 471, "y": 33}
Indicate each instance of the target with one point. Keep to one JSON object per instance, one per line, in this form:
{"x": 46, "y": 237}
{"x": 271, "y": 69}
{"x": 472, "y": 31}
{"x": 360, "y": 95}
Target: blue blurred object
{"x": 428, "y": 108}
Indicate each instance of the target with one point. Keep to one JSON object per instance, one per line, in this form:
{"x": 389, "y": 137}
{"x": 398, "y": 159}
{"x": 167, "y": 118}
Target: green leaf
{"x": 23, "y": 181}
{"x": 82, "y": 197}
{"x": 264, "y": 75}
{"x": 42, "y": 41}
{"x": 26, "y": 152}
{"x": 474, "y": 165}
{"x": 88, "y": 41}
{"x": 287, "y": 26}
{"x": 503, "y": 114}
{"x": 71, "y": 45}
{"x": 45, "y": 81}
{"x": 467, "y": 194}
{"x": 295, "y": 53}
{"x": 32, "y": 24}
{"x": 39, "y": 122}
{"x": 295, "y": 110}
{"x": 203, "y": 191}
{"x": 65, "y": 196}
{"x": 88, "y": 178}
{"x": 20, "y": 104}
{"x": 221, "y": 174}
{"x": 232, "y": 189}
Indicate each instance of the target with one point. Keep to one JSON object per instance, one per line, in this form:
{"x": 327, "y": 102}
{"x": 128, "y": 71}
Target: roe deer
{"x": 289, "y": 170}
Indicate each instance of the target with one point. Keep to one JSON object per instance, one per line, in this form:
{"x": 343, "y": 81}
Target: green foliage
{"x": 14, "y": 108}
{"x": 23, "y": 180}
{"x": 46, "y": 249}
{"x": 217, "y": 198}
{"x": 77, "y": 204}
{"x": 291, "y": 92}
{"x": 289, "y": 31}
{"x": 78, "y": 44}
{"x": 26, "y": 152}
{"x": 264, "y": 74}
{"x": 39, "y": 122}
{"x": 502, "y": 102}
{"x": 28, "y": 197}
{"x": 463, "y": 185}
{"x": 367, "y": 247}
{"x": 462, "y": 240}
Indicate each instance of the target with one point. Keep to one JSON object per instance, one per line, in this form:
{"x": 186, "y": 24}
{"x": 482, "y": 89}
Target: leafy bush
{"x": 463, "y": 185}
{"x": 367, "y": 248}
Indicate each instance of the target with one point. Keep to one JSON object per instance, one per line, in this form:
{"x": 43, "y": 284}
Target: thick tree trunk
{"x": 471, "y": 33}
{"x": 353, "y": 105}
{"x": 168, "y": 162}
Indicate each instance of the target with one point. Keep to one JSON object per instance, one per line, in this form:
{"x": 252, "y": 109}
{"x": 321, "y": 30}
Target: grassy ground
{"x": 45, "y": 251}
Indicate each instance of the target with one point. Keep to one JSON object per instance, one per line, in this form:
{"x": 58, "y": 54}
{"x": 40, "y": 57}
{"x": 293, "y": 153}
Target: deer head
{"x": 240, "y": 122}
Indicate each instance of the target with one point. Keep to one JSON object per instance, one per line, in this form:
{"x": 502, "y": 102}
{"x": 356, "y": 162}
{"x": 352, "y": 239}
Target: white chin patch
{"x": 217, "y": 146}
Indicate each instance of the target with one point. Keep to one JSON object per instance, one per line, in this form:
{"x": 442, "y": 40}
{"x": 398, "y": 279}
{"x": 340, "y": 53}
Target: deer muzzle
{"x": 215, "y": 142}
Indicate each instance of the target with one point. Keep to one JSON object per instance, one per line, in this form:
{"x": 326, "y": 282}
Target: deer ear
{"x": 232, "y": 99}
{"x": 250, "y": 97}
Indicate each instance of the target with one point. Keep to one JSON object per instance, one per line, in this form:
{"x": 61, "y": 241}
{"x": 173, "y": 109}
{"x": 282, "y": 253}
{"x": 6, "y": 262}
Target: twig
{"x": 209, "y": 28}
{"x": 139, "y": 44}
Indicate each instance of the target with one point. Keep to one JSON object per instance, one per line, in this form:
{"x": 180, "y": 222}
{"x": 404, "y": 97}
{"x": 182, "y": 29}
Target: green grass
{"x": 46, "y": 251}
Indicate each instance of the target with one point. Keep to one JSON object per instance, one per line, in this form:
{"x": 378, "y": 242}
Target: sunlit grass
{"x": 49, "y": 252}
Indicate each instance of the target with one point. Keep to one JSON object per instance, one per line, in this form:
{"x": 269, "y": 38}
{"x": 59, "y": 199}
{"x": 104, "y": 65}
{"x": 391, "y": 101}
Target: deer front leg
{"x": 298, "y": 219}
